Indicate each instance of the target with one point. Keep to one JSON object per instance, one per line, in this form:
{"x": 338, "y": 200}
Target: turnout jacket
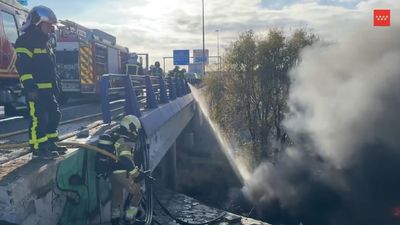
{"x": 36, "y": 63}
{"x": 123, "y": 147}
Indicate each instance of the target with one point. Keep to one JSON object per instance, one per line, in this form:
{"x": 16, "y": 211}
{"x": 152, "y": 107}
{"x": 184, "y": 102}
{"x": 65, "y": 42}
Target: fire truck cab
{"x": 12, "y": 15}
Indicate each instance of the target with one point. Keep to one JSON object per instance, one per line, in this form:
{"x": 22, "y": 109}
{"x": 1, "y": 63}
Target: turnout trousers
{"x": 119, "y": 182}
{"x": 44, "y": 117}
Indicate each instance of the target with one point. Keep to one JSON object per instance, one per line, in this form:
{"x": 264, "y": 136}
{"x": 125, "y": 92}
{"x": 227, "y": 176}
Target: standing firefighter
{"x": 36, "y": 68}
{"x": 124, "y": 174}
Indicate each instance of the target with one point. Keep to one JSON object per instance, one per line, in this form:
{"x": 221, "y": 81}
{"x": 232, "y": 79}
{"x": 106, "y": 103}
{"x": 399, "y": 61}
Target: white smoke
{"x": 347, "y": 91}
{"x": 345, "y": 98}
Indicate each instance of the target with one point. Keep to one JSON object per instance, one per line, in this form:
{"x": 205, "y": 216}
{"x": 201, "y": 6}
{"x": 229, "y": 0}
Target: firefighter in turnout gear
{"x": 37, "y": 71}
{"x": 123, "y": 173}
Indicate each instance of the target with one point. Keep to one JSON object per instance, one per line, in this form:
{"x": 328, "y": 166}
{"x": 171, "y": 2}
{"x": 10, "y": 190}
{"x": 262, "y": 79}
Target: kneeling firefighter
{"x": 123, "y": 173}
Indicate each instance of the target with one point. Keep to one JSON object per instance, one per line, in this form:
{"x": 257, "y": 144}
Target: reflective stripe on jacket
{"x": 35, "y": 62}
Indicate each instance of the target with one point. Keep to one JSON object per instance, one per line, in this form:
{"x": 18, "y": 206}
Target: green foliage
{"x": 249, "y": 99}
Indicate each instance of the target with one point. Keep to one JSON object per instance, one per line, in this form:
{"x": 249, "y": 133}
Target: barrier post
{"x": 151, "y": 102}
{"x": 178, "y": 87}
{"x": 131, "y": 102}
{"x": 187, "y": 88}
{"x": 163, "y": 90}
{"x": 172, "y": 89}
{"x": 105, "y": 98}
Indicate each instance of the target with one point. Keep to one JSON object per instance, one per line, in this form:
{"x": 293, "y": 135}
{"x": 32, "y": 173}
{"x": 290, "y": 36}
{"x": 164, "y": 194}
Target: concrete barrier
{"x": 28, "y": 190}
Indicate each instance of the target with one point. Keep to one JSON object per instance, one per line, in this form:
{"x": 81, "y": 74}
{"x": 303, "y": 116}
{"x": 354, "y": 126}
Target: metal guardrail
{"x": 139, "y": 92}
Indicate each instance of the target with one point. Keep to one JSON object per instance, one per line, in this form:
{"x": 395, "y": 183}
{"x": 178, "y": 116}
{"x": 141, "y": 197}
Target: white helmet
{"x": 131, "y": 124}
{"x": 39, "y": 14}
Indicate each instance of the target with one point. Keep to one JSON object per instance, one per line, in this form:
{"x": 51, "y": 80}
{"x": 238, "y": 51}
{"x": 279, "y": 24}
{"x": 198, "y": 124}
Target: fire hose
{"x": 69, "y": 144}
{"x": 146, "y": 166}
{"x": 149, "y": 205}
{"x": 149, "y": 180}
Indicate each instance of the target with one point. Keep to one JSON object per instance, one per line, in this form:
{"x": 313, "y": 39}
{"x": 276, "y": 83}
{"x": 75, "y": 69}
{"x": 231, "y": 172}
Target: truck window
{"x": 10, "y": 27}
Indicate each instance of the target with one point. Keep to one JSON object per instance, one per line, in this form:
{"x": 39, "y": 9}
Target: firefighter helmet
{"x": 131, "y": 123}
{"x": 39, "y": 14}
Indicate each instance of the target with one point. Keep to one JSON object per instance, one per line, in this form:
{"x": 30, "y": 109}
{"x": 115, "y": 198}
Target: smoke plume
{"x": 344, "y": 168}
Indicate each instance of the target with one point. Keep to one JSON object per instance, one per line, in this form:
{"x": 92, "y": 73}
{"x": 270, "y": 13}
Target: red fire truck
{"x": 83, "y": 55}
{"x": 12, "y": 15}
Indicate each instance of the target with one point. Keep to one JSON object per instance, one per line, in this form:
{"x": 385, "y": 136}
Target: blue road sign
{"x": 198, "y": 56}
{"x": 181, "y": 57}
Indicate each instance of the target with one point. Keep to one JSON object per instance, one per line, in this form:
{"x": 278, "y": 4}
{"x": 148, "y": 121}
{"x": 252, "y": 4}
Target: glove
{"x": 134, "y": 173}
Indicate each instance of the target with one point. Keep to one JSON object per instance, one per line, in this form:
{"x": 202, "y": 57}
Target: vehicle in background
{"x": 12, "y": 15}
{"x": 83, "y": 55}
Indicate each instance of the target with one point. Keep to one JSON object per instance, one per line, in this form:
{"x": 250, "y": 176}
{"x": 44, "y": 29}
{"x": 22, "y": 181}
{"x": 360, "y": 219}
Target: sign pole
{"x": 203, "y": 63}
{"x": 218, "y": 61}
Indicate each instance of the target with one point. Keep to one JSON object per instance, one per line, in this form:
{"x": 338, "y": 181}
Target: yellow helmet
{"x": 131, "y": 123}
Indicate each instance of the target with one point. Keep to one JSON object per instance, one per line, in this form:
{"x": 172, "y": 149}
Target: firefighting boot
{"x": 140, "y": 218}
{"x": 130, "y": 215}
{"x": 44, "y": 153}
{"x": 115, "y": 216}
{"x": 54, "y": 147}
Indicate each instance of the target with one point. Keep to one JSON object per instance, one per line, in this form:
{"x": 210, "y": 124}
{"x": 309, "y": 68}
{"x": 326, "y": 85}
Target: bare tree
{"x": 249, "y": 100}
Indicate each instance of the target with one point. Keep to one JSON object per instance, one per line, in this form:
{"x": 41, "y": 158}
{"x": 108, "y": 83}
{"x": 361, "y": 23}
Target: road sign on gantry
{"x": 181, "y": 57}
{"x": 198, "y": 56}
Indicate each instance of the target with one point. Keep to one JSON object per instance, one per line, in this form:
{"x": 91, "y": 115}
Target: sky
{"x": 159, "y": 26}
